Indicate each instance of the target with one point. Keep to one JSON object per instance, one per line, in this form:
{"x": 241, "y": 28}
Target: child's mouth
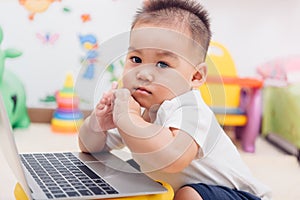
{"x": 142, "y": 90}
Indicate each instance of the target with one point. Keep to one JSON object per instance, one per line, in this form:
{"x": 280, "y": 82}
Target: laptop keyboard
{"x": 63, "y": 175}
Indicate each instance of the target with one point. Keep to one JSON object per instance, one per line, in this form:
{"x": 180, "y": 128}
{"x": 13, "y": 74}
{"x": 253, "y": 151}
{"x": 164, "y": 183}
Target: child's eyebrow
{"x": 161, "y": 53}
{"x": 166, "y": 54}
{"x": 130, "y": 49}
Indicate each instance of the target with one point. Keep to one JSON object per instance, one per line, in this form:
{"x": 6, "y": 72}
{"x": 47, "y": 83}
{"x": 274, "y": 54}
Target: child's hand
{"x": 124, "y": 105}
{"x": 104, "y": 110}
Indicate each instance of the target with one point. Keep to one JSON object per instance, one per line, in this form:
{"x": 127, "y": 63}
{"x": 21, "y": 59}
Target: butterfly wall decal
{"x": 47, "y": 38}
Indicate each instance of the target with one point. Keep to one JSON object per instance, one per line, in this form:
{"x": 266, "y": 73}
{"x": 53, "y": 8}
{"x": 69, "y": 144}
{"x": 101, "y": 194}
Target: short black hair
{"x": 186, "y": 13}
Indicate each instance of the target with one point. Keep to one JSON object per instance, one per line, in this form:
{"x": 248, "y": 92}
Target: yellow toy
{"x": 221, "y": 95}
{"x": 235, "y": 101}
{"x": 20, "y": 193}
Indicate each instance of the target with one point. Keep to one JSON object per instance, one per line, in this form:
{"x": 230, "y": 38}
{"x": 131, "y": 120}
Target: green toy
{"x": 12, "y": 90}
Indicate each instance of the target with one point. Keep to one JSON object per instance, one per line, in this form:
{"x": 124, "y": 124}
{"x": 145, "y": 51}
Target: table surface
{"x": 40, "y": 138}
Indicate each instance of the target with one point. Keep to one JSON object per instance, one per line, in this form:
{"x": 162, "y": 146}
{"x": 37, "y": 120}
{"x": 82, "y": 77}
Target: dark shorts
{"x": 211, "y": 192}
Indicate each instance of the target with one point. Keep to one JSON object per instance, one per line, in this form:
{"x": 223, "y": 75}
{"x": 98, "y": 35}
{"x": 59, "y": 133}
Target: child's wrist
{"x": 129, "y": 121}
{"x": 93, "y": 124}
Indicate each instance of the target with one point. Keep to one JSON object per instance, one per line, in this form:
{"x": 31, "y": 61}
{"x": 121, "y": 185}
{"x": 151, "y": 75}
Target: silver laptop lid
{"x": 9, "y": 148}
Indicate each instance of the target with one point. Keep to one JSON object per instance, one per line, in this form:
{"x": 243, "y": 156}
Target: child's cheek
{"x": 128, "y": 79}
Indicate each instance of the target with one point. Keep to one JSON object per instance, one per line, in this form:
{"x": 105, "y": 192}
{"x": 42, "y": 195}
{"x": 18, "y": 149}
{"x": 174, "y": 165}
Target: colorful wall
{"x": 59, "y": 37}
{"x": 52, "y": 41}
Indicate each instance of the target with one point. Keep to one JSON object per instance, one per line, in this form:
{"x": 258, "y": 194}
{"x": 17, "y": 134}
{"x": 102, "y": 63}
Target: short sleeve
{"x": 188, "y": 113}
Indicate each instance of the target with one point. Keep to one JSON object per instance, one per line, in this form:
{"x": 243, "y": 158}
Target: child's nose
{"x": 145, "y": 74}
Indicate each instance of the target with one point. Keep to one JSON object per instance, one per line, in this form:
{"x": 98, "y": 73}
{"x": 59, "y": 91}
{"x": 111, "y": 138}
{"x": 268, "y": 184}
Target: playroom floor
{"x": 279, "y": 171}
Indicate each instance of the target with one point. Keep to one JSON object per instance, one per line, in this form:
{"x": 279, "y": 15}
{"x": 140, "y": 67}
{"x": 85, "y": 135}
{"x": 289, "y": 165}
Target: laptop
{"x": 72, "y": 175}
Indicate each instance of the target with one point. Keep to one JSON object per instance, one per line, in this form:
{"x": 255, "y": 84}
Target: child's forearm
{"x": 142, "y": 136}
{"x": 159, "y": 147}
{"x": 90, "y": 140}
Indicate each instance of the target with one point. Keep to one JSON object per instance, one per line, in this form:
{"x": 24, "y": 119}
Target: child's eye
{"x": 162, "y": 65}
{"x": 135, "y": 59}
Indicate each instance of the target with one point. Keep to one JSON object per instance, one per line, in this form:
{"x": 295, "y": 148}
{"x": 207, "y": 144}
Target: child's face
{"x": 160, "y": 65}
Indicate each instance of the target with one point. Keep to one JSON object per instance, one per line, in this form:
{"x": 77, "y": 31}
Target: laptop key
{"x": 88, "y": 172}
{"x": 97, "y": 190}
{"x": 73, "y": 194}
{"x": 59, "y": 195}
{"x": 112, "y": 192}
{"x": 85, "y": 192}
{"x": 49, "y": 196}
{"x": 80, "y": 187}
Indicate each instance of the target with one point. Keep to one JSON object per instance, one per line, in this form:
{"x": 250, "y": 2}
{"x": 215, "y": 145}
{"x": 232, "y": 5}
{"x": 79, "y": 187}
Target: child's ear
{"x": 199, "y": 76}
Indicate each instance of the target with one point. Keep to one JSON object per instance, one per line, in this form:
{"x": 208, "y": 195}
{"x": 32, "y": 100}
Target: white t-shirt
{"x": 218, "y": 161}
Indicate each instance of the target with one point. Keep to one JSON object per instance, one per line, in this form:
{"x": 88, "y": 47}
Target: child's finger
{"x": 114, "y": 85}
{"x": 105, "y": 95}
{"x": 107, "y": 100}
{"x": 103, "y": 101}
{"x": 100, "y": 106}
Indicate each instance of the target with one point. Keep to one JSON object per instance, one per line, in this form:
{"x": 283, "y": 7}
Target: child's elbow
{"x": 82, "y": 147}
{"x": 183, "y": 161}
{"x": 175, "y": 167}
{"x": 90, "y": 148}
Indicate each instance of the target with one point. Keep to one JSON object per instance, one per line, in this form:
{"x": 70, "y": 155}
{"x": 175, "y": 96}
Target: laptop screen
{"x": 9, "y": 149}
